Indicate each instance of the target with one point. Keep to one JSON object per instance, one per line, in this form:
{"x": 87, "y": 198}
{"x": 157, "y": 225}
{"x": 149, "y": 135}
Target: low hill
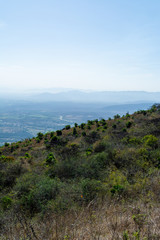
{"x": 97, "y": 180}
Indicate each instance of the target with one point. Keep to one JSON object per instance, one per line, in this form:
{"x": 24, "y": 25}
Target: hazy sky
{"x": 86, "y": 44}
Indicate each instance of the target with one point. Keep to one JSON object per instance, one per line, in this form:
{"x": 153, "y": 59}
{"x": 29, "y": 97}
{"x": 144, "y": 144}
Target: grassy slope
{"x": 105, "y": 174}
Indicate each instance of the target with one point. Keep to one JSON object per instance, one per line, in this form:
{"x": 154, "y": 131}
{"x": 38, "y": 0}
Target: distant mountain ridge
{"x": 103, "y": 97}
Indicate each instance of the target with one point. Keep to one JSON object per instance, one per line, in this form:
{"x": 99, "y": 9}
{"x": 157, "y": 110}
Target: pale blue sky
{"x": 86, "y": 44}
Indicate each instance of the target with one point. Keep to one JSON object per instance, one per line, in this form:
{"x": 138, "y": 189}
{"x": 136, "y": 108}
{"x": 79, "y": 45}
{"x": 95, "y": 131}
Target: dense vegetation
{"x": 84, "y": 172}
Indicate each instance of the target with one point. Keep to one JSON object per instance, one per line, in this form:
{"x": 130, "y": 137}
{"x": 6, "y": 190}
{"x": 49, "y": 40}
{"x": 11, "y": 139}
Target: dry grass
{"x": 105, "y": 221}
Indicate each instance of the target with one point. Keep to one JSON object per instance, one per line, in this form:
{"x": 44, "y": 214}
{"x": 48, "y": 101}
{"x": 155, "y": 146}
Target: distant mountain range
{"x": 110, "y": 97}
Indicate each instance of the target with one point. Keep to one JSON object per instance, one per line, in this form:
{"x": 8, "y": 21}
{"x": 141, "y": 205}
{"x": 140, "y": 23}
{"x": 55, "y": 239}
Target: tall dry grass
{"x": 107, "y": 220}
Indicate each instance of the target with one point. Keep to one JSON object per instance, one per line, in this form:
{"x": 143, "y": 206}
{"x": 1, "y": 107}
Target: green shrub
{"x": 59, "y": 132}
{"x": 90, "y": 189}
{"x": 83, "y": 134}
{"x": 99, "y": 147}
{"x": 35, "y": 192}
{"x": 51, "y": 134}
{"x": 6, "y": 202}
{"x": 92, "y": 137}
{"x": 150, "y": 141}
{"x": 67, "y": 127}
{"x": 103, "y": 122}
{"x": 114, "y": 126}
{"x": 27, "y": 155}
{"x": 74, "y": 131}
{"x": 6, "y": 144}
{"x": 88, "y": 151}
{"x": 11, "y": 173}
{"x": 128, "y": 124}
{"x": 50, "y": 159}
{"x": 82, "y": 125}
{"x": 117, "y": 116}
{"x": 117, "y": 189}
{"x": 76, "y": 125}
{"x": 40, "y": 136}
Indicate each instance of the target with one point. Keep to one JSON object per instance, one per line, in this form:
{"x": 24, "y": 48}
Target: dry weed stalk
{"x": 104, "y": 221}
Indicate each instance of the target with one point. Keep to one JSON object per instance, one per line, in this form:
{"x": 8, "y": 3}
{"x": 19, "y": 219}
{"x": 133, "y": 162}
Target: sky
{"x": 111, "y": 45}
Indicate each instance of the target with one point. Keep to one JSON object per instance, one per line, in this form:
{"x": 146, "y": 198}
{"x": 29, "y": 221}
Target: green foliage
{"x": 117, "y": 189}
{"x": 76, "y": 125}
{"x": 127, "y": 115}
{"x": 67, "y": 127}
{"x": 27, "y": 155}
{"x": 59, "y": 132}
{"x": 99, "y": 147}
{"x": 51, "y": 134}
{"x": 54, "y": 139}
{"x": 90, "y": 122}
{"x": 90, "y": 189}
{"x": 6, "y": 144}
{"x": 116, "y": 116}
{"x": 7, "y": 158}
{"x": 83, "y": 134}
{"x": 88, "y": 151}
{"x": 6, "y": 202}
{"x": 50, "y": 159}
{"x": 114, "y": 126}
{"x": 12, "y": 171}
{"x": 35, "y": 192}
{"x": 82, "y": 126}
{"x": 150, "y": 141}
{"x": 92, "y": 137}
{"x": 116, "y": 164}
{"x": 125, "y": 235}
{"x": 74, "y": 131}
{"x": 128, "y": 124}
{"x": 40, "y": 135}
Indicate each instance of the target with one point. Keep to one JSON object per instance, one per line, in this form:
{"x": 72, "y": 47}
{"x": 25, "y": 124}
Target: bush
{"x": 74, "y": 131}
{"x": 11, "y": 173}
{"x": 90, "y": 189}
{"x": 128, "y": 124}
{"x": 88, "y": 151}
{"x": 6, "y": 202}
{"x": 40, "y": 136}
{"x": 99, "y": 147}
{"x": 103, "y": 122}
{"x": 116, "y": 116}
{"x": 90, "y": 122}
{"x": 59, "y": 132}
{"x": 82, "y": 125}
{"x": 50, "y": 159}
{"x": 51, "y": 134}
{"x": 92, "y": 137}
{"x": 83, "y": 134}
{"x": 54, "y": 139}
{"x": 36, "y": 191}
{"x": 67, "y": 127}
{"x": 27, "y": 155}
{"x": 6, "y": 144}
{"x": 150, "y": 141}
{"x": 114, "y": 126}
{"x": 117, "y": 189}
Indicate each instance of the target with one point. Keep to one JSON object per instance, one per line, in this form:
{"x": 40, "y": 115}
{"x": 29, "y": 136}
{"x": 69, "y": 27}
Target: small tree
{"x": 59, "y": 132}
{"x": 74, "y": 131}
{"x": 67, "y": 127}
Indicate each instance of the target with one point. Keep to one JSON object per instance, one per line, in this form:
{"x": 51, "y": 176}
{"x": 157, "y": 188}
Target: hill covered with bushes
{"x": 97, "y": 180}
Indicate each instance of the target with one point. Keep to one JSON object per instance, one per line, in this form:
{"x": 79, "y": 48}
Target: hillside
{"x": 97, "y": 180}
